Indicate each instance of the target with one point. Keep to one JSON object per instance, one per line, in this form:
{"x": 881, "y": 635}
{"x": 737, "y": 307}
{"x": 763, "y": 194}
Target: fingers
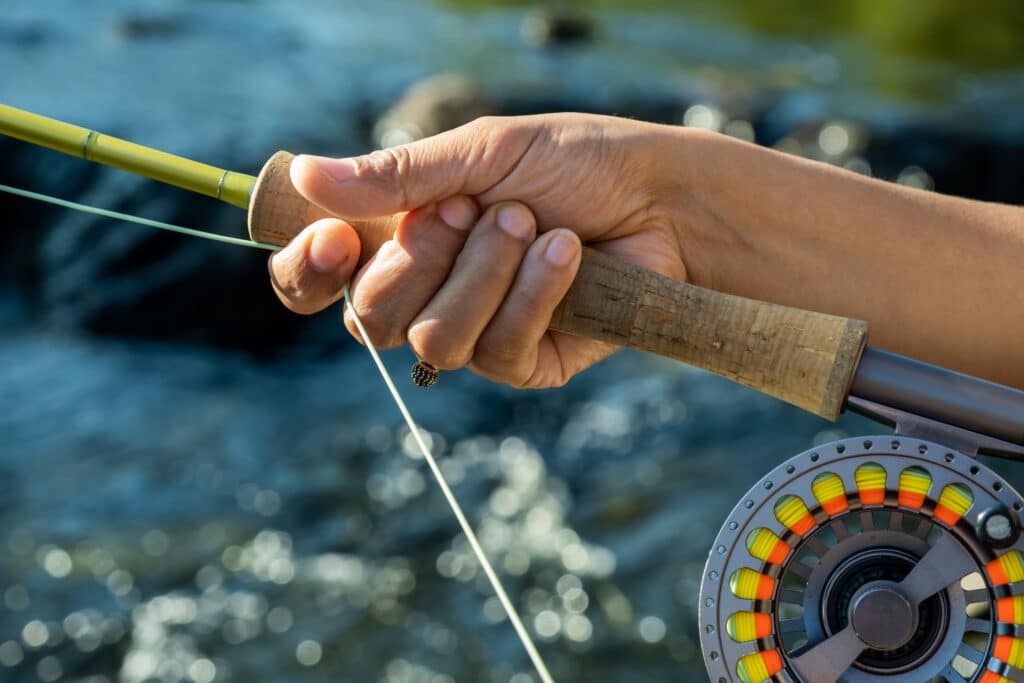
{"x": 481, "y": 297}
{"x": 459, "y": 287}
{"x": 308, "y": 274}
{"x": 514, "y": 344}
{"x": 446, "y": 330}
{"x": 559, "y": 357}
{"x": 465, "y": 161}
{"x": 408, "y": 270}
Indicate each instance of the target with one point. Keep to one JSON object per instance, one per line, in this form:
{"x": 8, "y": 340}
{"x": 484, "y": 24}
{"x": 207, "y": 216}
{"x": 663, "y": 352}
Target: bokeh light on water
{"x": 176, "y": 512}
{"x": 357, "y": 570}
{"x": 599, "y": 511}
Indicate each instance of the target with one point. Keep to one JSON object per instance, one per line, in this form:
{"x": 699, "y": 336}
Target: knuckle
{"x": 556, "y": 381}
{"x": 380, "y": 328}
{"x": 534, "y": 302}
{"x": 498, "y": 144}
{"x": 522, "y": 382}
{"x": 350, "y": 325}
{"x": 517, "y": 377}
{"x": 503, "y": 361}
{"x": 501, "y": 127}
{"x": 487, "y": 125}
{"x": 501, "y": 373}
{"x": 502, "y": 134}
{"x": 390, "y": 166}
{"x": 433, "y": 345}
{"x": 433, "y": 265}
{"x": 300, "y": 298}
{"x": 430, "y": 256}
{"x": 296, "y": 305}
{"x": 542, "y": 380}
{"x": 496, "y": 353}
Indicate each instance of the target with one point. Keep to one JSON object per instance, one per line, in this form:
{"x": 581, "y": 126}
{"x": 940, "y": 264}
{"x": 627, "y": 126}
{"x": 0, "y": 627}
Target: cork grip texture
{"x": 804, "y": 358}
{"x": 277, "y": 212}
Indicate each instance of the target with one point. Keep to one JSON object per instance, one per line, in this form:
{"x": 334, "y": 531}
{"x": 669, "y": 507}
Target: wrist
{"x": 709, "y": 242}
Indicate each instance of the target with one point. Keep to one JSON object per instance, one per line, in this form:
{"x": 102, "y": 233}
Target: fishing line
{"x": 467, "y": 529}
{"x": 137, "y": 219}
{"x": 492, "y": 576}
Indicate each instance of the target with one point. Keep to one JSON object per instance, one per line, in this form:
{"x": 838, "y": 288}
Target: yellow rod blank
{"x": 228, "y": 186}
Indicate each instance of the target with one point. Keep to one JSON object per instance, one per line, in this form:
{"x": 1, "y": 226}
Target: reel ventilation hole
{"x": 846, "y": 520}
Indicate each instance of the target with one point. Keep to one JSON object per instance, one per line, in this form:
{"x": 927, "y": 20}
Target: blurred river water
{"x": 199, "y": 487}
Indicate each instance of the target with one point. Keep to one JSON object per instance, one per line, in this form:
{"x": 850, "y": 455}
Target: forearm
{"x": 936, "y": 277}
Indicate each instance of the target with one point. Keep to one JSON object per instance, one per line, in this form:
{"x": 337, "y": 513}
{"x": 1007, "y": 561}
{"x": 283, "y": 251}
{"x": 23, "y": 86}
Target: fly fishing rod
{"x": 807, "y": 359}
{"x": 895, "y": 558}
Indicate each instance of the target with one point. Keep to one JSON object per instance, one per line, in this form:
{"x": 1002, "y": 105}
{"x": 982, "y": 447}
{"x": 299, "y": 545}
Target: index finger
{"x": 309, "y": 273}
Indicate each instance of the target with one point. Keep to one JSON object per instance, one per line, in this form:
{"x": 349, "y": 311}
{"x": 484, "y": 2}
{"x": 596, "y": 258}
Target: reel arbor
{"x": 893, "y": 558}
{"x": 886, "y": 558}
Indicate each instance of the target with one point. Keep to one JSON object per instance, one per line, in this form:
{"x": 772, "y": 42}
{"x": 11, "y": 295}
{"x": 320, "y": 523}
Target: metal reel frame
{"x": 980, "y": 637}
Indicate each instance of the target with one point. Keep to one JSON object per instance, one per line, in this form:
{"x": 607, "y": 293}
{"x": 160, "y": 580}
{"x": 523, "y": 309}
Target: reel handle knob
{"x": 804, "y": 358}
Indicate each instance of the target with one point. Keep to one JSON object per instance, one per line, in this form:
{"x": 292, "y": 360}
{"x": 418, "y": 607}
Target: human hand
{"x": 465, "y": 280}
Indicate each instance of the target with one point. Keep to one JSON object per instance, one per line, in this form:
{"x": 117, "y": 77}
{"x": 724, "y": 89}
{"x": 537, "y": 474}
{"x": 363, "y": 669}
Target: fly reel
{"x": 875, "y": 559}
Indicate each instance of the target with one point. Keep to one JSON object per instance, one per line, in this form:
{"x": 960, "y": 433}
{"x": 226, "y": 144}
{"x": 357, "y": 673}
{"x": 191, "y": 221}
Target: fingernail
{"x": 326, "y": 254}
{"x": 335, "y": 170}
{"x": 561, "y": 251}
{"x": 457, "y": 212}
{"x": 516, "y": 221}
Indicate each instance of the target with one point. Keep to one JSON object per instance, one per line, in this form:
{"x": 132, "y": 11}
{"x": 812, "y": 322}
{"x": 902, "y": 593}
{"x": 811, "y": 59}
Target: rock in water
{"x": 555, "y": 27}
{"x": 431, "y": 106}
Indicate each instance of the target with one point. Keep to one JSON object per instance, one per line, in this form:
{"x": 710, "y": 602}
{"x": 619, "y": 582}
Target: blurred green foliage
{"x": 977, "y": 34}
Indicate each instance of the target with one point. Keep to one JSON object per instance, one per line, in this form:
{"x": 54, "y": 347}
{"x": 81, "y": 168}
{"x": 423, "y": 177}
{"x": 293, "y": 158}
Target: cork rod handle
{"x": 804, "y": 358}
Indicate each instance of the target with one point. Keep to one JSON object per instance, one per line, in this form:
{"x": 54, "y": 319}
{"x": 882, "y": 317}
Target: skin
{"x": 495, "y": 212}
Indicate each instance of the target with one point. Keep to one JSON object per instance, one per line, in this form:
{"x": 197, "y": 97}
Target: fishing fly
{"x": 894, "y": 558}
{"x": 234, "y": 188}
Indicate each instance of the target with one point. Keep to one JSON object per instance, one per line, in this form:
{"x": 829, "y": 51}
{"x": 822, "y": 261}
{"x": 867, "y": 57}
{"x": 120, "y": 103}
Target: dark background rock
{"x": 221, "y": 506}
{"x": 82, "y": 273}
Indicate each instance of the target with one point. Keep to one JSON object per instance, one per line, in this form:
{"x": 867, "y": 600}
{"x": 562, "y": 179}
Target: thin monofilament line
{"x": 106, "y": 213}
{"x": 492, "y": 576}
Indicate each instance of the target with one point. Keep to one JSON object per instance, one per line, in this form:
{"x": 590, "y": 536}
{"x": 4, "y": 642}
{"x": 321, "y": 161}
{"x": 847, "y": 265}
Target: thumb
{"x": 467, "y": 160}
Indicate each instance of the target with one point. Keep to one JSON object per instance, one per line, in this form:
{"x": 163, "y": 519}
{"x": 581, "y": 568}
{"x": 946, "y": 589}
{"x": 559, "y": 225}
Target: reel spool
{"x": 880, "y": 559}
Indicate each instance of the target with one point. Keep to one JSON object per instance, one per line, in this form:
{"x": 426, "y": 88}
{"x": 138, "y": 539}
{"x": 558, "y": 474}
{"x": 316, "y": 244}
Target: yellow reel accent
{"x": 746, "y": 584}
{"x": 793, "y": 514}
{"x": 764, "y": 545}
{"x": 1009, "y": 650}
{"x": 759, "y": 666}
{"x": 830, "y": 491}
{"x": 914, "y": 485}
{"x": 744, "y": 627}
{"x": 955, "y": 500}
{"x": 1008, "y": 568}
{"x": 870, "y": 478}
